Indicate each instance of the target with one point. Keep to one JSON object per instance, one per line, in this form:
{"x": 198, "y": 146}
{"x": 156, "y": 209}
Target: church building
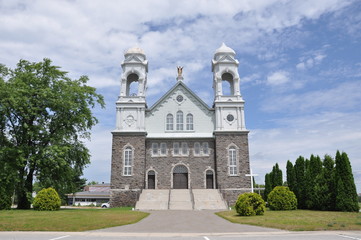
{"x": 180, "y": 142}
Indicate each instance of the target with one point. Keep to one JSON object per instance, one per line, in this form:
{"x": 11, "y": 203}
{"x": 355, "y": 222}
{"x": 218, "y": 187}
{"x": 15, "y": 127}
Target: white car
{"x": 105, "y": 205}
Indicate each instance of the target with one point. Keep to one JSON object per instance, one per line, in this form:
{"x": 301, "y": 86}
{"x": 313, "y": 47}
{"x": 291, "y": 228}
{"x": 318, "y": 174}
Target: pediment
{"x": 227, "y": 58}
{"x": 133, "y": 58}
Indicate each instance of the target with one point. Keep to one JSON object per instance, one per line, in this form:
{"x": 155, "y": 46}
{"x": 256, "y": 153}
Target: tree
{"x": 346, "y": 195}
{"x": 313, "y": 173}
{"x": 325, "y": 186}
{"x": 291, "y": 177}
{"x": 268, "y": 186}
{"x": 277, "y": 176}
{"x": 300, "y": 182}
{"x": 250, "y": 204}
{"x": 47, "y": 116}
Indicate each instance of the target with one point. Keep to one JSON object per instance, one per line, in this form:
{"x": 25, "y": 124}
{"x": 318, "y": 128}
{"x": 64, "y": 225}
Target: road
{"x": 324, "y": 235}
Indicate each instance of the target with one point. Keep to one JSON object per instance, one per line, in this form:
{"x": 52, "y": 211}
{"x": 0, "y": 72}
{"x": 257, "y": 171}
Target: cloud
{"x": 310, "y": 62}
{"x": 342, "y": 97}
{"x": 278, "y": 78}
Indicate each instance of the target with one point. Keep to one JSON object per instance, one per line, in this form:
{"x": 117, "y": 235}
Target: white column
{"x": 243, "y": 120}
{"x": 118, "y": 123}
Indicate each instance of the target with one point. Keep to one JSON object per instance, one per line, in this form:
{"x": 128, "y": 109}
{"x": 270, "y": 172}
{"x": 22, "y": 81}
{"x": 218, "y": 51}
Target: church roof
{"x": 181, "y": 83}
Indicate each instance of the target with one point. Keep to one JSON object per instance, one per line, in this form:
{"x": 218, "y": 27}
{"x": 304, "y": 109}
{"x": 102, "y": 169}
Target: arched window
{"x": 169, "y": 125}
{"x": 184, "y": 148}
{"x": 232, "y": 161}
{"x": 179, "y": 120}
{"x": 197, "y": 149}
{"x": 128, "y": 161}
{"x": 155, "y": 149}
{"x": 189, "y": 121}
{"x": 227, "y": 84}
{"x": 176, "y": 148}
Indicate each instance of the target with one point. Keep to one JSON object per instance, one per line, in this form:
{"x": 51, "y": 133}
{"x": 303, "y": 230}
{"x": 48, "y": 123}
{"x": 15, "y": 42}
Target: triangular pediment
{"x": 132, "y": 58}
{"x": 180, "y": 89}
{"x": 227, "y": 58}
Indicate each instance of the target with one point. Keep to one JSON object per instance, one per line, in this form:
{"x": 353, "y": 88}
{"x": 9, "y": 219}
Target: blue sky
{"x": 300, "y": 64}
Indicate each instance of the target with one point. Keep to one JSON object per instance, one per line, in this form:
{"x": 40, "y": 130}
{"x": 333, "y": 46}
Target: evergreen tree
{"x": 300, "y": 182}
{"x": 268, "y": 186}
{"x": 277, "y": 176}
{"x": 346, "y": 195}
{"x": 325, "y": 187}
{"x": 291, "y": 177}
{"x": 313, "y": 174}
{"x": 308, "y": 185}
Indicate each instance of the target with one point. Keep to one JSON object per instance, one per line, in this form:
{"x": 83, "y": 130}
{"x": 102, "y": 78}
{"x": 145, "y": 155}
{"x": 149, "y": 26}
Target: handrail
{"x": 192, "y": 197}
{"x": 169, "y": 198}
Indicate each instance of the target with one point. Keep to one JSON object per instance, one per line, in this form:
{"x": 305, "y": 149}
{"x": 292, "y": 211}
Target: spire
{"x": 180, "y": 71}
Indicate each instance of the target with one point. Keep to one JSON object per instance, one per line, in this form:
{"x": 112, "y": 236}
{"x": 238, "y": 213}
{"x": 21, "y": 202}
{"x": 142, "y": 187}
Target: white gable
{"x": 180, "y": 98}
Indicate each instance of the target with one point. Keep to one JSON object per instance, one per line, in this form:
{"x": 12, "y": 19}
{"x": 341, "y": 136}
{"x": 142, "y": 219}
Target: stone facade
{"x": 144, "y": 142}
{"x": 164, "y": 165}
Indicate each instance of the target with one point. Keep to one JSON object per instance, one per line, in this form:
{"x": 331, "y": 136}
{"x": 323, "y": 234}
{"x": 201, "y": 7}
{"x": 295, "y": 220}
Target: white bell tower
{"x": 131, "y": 103}
{"x": 228, "y": 102}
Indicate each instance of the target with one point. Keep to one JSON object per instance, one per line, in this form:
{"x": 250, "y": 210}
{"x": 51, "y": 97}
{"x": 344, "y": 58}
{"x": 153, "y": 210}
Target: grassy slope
{"x": 299, "y": 220}
{"x": 67, "y": 219}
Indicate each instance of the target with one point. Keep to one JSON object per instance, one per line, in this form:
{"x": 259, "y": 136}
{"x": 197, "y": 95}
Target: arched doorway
{"x": 209, "y": 179}
{"x": 180, "y": 177}
{"x": 151, "y": 179}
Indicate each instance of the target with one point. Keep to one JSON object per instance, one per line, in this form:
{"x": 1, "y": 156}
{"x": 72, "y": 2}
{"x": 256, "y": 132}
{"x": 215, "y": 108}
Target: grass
{"x": 70, "y": 220}
{"x": 299, "y": 220}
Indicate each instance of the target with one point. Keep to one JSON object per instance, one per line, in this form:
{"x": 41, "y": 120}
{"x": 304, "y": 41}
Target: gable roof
{"x": 166, "y": 95}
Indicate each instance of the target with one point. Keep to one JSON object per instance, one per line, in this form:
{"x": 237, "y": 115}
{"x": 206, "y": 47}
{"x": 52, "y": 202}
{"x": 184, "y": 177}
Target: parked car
{"x": 105, "y": 205}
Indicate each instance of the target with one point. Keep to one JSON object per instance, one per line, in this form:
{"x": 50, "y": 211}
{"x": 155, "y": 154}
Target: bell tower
{"x": 131, "y": 103}
{"x": 228, "y": 102}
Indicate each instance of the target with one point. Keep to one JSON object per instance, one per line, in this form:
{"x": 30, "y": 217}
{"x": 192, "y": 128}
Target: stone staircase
{"x": 153, "y": 200}
{"x": 208, "y": 199}
{"x": 180, "y": 199}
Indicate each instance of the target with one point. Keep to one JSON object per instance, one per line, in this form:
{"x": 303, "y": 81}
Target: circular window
{"x": 230, "y": 117}
{"x": 179, "y": 98}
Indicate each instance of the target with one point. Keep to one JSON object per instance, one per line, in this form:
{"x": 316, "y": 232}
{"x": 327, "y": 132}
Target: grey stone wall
{"x": 231, "y": 196}
{"x": 136, "y": 181}
{"x": 223, "y": 141}
{"x": 123, "y": 198}
{"x": 163, "y": 165}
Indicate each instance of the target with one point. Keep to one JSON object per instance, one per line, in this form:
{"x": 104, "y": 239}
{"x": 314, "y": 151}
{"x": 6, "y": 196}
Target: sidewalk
{"x": 179, "y": 221}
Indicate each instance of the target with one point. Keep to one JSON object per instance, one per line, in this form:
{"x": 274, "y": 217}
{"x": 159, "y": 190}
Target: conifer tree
{"x": 325, "y": 186}
{"x": 346, "y": 195}
{"x": 312, "y": 174}
{"x": 277, "y": 176}
{"x": 300, "y": 182}
{"x": 268, "y": 186}
{"x": 291, "y": 177}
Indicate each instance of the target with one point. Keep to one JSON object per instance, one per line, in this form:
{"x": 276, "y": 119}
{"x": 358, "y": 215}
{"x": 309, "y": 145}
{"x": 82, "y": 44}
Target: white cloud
{"x": 278, "y": 78}
{"x": 310, "y": 62}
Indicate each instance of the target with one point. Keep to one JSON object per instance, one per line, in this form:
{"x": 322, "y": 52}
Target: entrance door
{"x": 180, "y": 177}
{"x": 209, "y": 179}
{"x": 151, "y": 180}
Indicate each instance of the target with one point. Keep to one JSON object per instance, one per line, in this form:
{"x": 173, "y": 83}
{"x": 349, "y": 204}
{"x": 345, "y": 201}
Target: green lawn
{"x": 70, "y": 220}
{"x": 299, "y": 220}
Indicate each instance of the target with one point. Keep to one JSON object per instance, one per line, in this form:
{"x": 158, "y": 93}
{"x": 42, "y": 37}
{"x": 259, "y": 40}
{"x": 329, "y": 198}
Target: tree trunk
{"x": 24, "y": 191}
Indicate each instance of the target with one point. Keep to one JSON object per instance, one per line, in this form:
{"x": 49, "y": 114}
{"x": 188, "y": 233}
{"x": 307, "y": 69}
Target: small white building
{"x": 92, "y": 195}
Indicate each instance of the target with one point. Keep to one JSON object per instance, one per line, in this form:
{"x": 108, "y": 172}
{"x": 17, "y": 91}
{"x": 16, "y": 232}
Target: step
{"x": 152, "y": 199}
{"x": 180, "y": 199}
{"x": 208, "y": 199}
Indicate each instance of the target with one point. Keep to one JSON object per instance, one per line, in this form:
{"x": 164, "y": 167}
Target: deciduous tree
{"x": 47, "y": 116}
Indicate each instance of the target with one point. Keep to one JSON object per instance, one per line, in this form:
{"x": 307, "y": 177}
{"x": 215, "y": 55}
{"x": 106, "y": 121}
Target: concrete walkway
{"x": 179, "y": 221}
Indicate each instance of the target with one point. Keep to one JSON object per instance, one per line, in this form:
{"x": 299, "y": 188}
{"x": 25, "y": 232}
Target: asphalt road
{"x": 192, "y": 225}
{"x": 181, "y": 236}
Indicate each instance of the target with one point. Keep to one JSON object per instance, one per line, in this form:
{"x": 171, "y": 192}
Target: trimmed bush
{"x": 47, "y": 200}
{"x": 281, "y": 198}
{"x": 250, "y": 204}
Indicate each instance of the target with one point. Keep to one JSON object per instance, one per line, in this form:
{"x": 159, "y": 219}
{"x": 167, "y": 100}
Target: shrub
{"x": 47, "y": 200}
{"x": 281, "y": 198}
{"x": 250, "y": 204}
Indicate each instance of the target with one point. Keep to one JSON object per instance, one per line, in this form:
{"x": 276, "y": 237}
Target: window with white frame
{"x": 184, "y": 148}
{"x": 179, "y": 120}
{"x": 169, "y": 124}
{"x": 176, "y": 148}
{"x": 197, "y": 149}
{"x": 232, "y": 161}
{"x": 128, "y": 160}
{"x": 155, "y": 149}
{"x": 163, "y": 149}
{"x": 205, "y": 150}
{"x": 189, "y": 121}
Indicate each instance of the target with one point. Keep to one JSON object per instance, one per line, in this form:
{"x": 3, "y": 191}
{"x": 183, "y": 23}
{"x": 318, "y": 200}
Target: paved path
{"x": 179, "y": 221}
